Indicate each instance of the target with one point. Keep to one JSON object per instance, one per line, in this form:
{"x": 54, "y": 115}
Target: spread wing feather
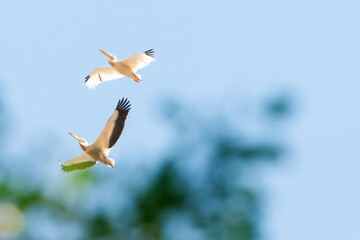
{"x": 101, "y": 74}
{"x": 114, "y": 126}
{"x": 140, "y": 59}
{"x": 81, "y": 162}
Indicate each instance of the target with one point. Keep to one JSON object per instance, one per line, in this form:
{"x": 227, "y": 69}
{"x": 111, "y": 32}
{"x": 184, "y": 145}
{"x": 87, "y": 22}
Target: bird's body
{"x": 126, "y": 70}
{"x": 118, "y": 69}
{"x": 100, "y": 149}
{"x": 98, "y": 153}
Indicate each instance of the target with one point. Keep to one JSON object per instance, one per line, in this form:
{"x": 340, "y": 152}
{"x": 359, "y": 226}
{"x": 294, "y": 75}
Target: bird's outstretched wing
{"x": 101, "y": 74}
{"x": 81, "y": 162}
{"x": 114, "y": 126}
{"x": 140, "y": 59}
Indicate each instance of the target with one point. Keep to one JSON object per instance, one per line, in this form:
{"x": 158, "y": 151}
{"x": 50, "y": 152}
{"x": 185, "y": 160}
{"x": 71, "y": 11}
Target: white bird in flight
{"x": 100, "y": 149}
{"x": 118, "y": 69}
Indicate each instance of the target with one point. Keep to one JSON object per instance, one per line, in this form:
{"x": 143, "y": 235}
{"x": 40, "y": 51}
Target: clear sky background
{"x": 211, "y": 54}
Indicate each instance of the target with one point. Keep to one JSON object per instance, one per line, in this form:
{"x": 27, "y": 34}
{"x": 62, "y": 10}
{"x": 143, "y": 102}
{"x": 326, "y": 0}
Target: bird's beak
{"x": 107, "y": 54}
{"x": 76, "y": 137}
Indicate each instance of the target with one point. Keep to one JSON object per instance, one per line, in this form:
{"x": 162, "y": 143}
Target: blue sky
{"x": 208, "y": 53}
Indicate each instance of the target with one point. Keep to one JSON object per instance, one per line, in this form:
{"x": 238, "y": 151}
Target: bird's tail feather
{"x": 112, "y": 162}
{"x": 136, "y": 77}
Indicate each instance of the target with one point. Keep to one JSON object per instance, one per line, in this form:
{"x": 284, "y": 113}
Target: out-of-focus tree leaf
{"x": 279, "y": 107}
{"x": 166, "y": 193}
{"x": 231, "y": 148}
{"x": 100, "y": 226}
{"x": 217, "y": 197}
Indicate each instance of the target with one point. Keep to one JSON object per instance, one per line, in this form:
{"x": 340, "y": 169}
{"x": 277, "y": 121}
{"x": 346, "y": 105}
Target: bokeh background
{"x": 246, "y": 126}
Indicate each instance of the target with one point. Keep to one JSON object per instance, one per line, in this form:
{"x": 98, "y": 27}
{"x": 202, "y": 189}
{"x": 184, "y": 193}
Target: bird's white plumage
{"x": 101, "y": 74}
{"x": 138, "y": 60}
{"x": 118, "y": 69}
{"x": 100, "y": 149}
{"x": 103, "y": 139}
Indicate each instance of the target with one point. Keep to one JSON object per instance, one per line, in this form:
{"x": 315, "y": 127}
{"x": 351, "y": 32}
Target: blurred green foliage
{"x": 216, "y": 199}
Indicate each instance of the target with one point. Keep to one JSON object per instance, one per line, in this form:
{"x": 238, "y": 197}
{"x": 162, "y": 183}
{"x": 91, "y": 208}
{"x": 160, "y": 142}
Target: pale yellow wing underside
{"x": 140, "y": 60}
{"x": 101, "y": 74}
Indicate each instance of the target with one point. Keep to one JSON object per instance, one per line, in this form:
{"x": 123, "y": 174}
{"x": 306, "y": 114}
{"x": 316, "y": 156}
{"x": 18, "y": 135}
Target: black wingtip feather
{"x": 123, "y": 105}
{"x": 87, "y": 78}
{"x": 150, "y": 53}
{"x": 122, "y": 108}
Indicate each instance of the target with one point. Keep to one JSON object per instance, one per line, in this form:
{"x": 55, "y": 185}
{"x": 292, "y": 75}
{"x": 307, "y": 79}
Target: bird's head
{"x": 109, "y": 55}
{"x": 83, "y": 143}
